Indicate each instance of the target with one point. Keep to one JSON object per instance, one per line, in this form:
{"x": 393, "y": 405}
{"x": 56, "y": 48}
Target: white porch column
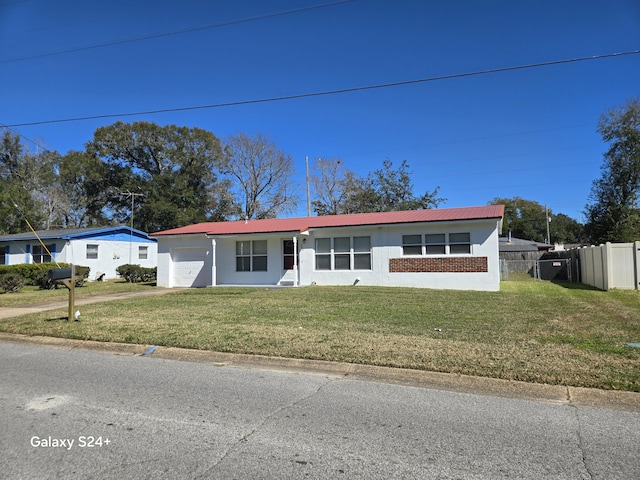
{"x": 295, "y": 261}
{"x": 213, "y": 262}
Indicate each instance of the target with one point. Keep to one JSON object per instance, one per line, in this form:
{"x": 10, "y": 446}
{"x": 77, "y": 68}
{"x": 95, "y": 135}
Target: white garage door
{"x": 188, "y": 268}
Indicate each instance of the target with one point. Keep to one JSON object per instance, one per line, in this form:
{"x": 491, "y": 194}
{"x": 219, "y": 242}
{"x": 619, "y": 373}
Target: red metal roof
{"x": 301, "y": 224}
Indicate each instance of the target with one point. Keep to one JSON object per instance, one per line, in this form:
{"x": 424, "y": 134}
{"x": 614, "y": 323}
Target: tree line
{"x": 170, "y": 176}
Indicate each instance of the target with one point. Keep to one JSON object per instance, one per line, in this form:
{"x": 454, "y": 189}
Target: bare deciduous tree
{"x": 261, "y": 175}
{"x": 332, "y": 184}
{"x": 338, "y": 191}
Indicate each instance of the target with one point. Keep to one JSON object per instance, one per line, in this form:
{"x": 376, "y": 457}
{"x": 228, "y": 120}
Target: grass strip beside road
{"x": 529, "y": 331}
{"x": 31, "y": 295}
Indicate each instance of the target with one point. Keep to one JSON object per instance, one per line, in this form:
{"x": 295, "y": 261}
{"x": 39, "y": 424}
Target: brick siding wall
{"x": 438, "y": 264}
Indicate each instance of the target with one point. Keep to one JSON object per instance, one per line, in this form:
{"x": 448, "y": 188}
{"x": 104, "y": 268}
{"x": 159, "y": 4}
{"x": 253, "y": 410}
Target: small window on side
{"x": 92, "y": 252}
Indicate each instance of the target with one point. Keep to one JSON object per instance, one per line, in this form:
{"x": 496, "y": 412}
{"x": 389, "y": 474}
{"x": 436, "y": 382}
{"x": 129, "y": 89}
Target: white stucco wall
{"x": 386, "y": 243}
{"x": 111, "y": 254}
{"x": 226, "y": 262}
{"x": 170, "y": 247}
{"x": 223, "y": 249}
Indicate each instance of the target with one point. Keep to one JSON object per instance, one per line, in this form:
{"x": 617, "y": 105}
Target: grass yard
{"x": 31, "y": 295}
{"x": 530, "y": 331}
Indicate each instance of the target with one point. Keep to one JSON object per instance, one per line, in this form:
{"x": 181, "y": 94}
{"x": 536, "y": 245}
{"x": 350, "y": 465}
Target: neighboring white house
{"x": 453, "y": 248}
{"x": 103, "y": 249}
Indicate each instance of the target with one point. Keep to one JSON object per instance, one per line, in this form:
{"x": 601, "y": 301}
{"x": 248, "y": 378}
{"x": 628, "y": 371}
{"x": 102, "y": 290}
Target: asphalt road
{"x": 76, "y": 413}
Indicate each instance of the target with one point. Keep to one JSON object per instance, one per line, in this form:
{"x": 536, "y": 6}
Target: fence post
{"x": 608, "y": 266}
{"x": 636, "y": 264}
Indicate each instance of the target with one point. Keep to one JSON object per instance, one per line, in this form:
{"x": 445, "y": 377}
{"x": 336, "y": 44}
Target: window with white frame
{"x": 362, "y": 253}
{"x": 92, "y": 251}
{"x": 459, "y": 243}
{"x": 343, "y": 253}
{"x": 143, "y": 252}
{"x": 323, "y": 254}
{"x": 40, "y": 254}
{"x": 251, "y": 256}
{"x": 412, "y": 244}
{"x": 437, "y": 244}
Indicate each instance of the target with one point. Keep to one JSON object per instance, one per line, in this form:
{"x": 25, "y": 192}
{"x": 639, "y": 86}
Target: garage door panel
{"x": 189, "y": 267}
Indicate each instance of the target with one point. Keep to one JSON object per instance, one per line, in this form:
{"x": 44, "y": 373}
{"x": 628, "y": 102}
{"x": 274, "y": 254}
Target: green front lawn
{"x": 31, "y": 295}
{"x": 530, "y": 331}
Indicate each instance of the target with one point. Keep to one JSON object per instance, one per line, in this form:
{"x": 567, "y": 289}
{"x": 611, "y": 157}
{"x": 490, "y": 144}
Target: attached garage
{"x": 189, "y": 267}
{"x": 454, "y": 248}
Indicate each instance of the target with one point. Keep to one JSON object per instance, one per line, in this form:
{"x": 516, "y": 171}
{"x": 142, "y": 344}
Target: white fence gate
{"x": 612, "y": 265}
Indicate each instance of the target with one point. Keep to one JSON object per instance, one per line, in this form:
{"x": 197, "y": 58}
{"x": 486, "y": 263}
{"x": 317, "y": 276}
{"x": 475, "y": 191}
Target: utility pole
{"x": 133, "y": 197}
{"x": 546, "y": 214}
{"x": 308, "y": 194}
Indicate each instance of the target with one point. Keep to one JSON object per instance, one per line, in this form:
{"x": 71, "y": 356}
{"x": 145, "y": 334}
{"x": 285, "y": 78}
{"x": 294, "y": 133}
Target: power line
{"x": 177, "y": 32}
{"x": 3, "y": 126}
{"x": 328, "y": 92}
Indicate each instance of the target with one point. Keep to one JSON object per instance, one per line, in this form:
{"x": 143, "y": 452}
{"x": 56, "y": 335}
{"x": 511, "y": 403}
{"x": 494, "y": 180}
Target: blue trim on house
{"x": 114, "y": 236}
{"x": 119, "y": 233}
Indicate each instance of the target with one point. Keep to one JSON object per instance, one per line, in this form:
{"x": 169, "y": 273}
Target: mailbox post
{"x": 66, "y": 276}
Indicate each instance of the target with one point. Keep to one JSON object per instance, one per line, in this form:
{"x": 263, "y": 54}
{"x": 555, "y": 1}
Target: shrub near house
{"x": 11, "y": 283}
{"x": 136, "y": 273}
{"x": 37, "y": 273}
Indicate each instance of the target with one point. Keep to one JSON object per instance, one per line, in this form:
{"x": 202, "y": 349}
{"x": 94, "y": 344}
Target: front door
{"x": 289, "y": 260}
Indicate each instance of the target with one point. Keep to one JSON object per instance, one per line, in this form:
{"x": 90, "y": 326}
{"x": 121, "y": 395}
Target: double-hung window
{"x": 143, "y": 252}
{"x": 92, "y": 252}
{"x": 41, "y": 254}
{"x": 437, "y": 244}
{"x": 343, "y": 253}
{"x": 323, "y": 254}
{"x": 459, "y": 243}
{"x": 412, "y": 244}
{"x": 362, "y": 253}
{"x": 251, "y": 256}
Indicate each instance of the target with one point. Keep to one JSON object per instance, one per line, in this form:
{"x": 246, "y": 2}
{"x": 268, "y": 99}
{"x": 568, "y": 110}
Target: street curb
{"x": 556, "y": 394}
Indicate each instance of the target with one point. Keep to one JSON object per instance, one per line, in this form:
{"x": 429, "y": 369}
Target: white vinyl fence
{"x": 612, "y": 265}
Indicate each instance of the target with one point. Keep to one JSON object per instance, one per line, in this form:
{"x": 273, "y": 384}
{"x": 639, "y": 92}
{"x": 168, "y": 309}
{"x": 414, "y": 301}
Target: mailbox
{"x": 60, "y": 274}
{"x": 65, "y": 276}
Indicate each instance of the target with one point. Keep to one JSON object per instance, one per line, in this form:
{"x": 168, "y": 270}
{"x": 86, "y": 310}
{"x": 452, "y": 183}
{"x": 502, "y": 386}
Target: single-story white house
{"x": 103, "y": 249}
{"x": 452, "y": 248}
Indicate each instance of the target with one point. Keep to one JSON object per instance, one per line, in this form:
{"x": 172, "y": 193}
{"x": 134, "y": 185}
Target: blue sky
{"x": 528, "y": 133}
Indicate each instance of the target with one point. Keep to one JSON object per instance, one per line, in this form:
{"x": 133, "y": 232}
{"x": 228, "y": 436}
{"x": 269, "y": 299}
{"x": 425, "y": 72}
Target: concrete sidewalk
{"x": 16, "y": 311}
